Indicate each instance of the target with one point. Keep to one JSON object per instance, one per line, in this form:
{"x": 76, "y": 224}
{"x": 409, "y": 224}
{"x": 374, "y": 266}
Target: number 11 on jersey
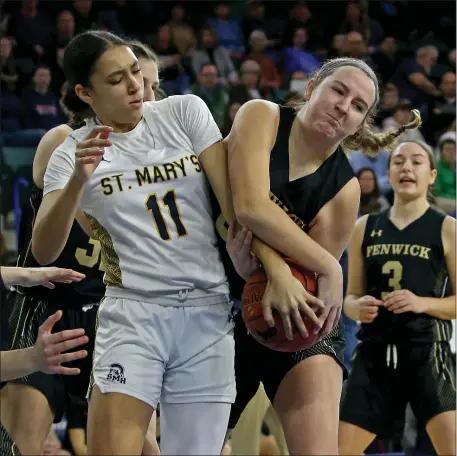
{"x": 153, "y": 204}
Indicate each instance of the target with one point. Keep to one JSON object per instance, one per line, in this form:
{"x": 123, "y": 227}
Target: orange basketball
{"x": 275, "y": 337}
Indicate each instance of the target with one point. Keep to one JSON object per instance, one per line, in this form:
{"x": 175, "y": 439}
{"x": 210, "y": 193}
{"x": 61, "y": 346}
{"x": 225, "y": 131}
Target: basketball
{"x": 275, "y": 337}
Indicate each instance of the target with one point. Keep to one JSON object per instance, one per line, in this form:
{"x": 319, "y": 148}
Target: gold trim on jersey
{"x": 110, "y": 259}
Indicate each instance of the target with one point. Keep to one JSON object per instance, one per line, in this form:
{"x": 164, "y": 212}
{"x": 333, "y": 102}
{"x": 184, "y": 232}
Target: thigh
{"x": 201, "y": 364}
{"x": 373, "y": 395}
{"x": 117, "y": 424}
{"x": 26, "y": 413}
{"x": 131, "y": 348}
{"x": 182, "y": 433}
{"x": 432, "y": 380}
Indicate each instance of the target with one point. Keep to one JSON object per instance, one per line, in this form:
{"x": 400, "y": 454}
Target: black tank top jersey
{"x": 80, "y": 253}
{"x": 411, "y": 259}
{"x": 302, "y": 198}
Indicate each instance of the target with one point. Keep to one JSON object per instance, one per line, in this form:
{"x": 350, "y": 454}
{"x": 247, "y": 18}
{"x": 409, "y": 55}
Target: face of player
{"x": 150, "y": 78}
{"x": 338, "y": 105}
{"x": 410, "y": 172}
{"x": 116, "y": 91}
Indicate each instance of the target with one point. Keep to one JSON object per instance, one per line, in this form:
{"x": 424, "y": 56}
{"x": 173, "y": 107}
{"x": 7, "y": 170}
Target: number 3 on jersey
{"x": 153, "y": 204}
{"x": 395, "y": 270}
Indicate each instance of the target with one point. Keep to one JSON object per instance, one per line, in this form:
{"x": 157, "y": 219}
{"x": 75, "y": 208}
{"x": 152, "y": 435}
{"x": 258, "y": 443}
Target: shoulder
{"x": 48, "y": 144}
{"x": 260, "y": 109}
{"x": 361, "y": 225}
{"x": 180, "y": 106}
{"x": 448, "y": 231}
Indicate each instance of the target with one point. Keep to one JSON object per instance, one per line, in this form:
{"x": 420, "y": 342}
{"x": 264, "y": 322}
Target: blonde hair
{"x": 364, "y": 138}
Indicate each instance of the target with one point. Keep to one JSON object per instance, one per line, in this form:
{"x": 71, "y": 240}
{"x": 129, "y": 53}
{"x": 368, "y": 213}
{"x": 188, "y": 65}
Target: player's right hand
{"x": 289, "y": 297}
{"x": 89, "y": 152}
{"x": 368, "y": 308}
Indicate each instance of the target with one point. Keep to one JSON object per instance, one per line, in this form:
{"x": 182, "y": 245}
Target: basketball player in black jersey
{"x": 400, "y": 261}
{"x": 46, "y": 354}
{"x": 294, "y": 188}
{"x": 31, "y": 404}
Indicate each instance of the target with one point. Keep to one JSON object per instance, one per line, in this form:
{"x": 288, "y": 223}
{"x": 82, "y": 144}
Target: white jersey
{"x": 148, "y": 200}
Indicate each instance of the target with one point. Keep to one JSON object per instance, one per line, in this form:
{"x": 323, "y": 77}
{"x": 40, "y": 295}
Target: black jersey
{"x": 81, "y": 253}
{"x": 302, "y": 198}
{"x": 411, "y": 259}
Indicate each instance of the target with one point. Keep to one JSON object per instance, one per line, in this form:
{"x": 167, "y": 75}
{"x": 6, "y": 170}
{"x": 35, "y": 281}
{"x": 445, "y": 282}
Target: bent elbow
{"x": 248, "y": 211}
{"x": 41, "y": 254}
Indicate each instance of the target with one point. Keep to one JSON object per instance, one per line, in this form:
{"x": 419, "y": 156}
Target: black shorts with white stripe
{"x": 7, "y": 446}
{"x": 255, "y": 363}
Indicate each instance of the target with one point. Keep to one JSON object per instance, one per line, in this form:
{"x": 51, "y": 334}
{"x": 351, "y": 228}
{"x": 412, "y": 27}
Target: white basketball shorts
{"x": 163, "y": 353}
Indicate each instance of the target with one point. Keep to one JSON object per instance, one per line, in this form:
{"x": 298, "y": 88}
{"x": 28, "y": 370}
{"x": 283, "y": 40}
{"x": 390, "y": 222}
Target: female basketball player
{"x": 400, "y": 261}
{"x": 32, "y": 404}
{"x": 136, "y": 171}
{"x": 288, "y": 165}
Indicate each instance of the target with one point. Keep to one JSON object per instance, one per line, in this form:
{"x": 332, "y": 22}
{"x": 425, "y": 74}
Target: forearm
{"x": 13, "y": 275}
{"x": 429, "y": 88}
{"x": 443, "y": 308}
{"x": 51, "y": 231}
{"x": 351, "y": 308}
{"x": 17, "y": 364}
{"x": 273, "y": 226}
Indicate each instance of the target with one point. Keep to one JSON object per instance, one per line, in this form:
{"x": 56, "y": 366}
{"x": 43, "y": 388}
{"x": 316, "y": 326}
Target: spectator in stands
{"x": 356, "y": 48}
{"x": 297, "y": 57}
{"x": 269, "y": 74}
{"x": 65, "y": 29}
{"x": 256, "y": 20}
{"x": 411, "y": 77}
{"x": 371, "y": 199}
{"x": 84, "y": 15}
{"x": 442, "y": 109}
{"x": 228, "y": 30}
{"x": 401, "y": 116}
{"x": 249, "y": 87}
{"x": 354, "y": 22}
{"x": 301, "y": 17}
{"x": 55, "y": 62}
{"x": 385, "y": 58}
{"x": 338, "y": 46}
{"x": 211, "y": 52}
{"x": 32, "y": 30}
{"x": 445, "y": 182}
{"x": 42, "y": 109}
{"x": 297, "y": 83}
{"x": 182, "y": 33}
{"x": 230, "y": 113}
{"x": 451, "y": 59}
{"x": 211, "y": 92}
{"x": 170, "y": 60}
{"x": 379, "y": 163}
{"x": 9, "y": 74}
{"x": 389, "y": 102}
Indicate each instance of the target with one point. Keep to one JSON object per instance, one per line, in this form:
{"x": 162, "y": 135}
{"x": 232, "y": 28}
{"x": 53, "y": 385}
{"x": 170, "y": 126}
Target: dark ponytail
{"x": 79, "y": 109}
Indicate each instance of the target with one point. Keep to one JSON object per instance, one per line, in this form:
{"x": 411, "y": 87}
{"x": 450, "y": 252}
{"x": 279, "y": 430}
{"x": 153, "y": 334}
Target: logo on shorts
{"x": 116, "y": 373}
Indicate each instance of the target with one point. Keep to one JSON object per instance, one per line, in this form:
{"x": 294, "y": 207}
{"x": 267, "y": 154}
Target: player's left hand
{"x": 45, "y": 276}
{"x": 401, "y": 301}
{"x": 239, "y": 249}
{"x": 49, "y": 348}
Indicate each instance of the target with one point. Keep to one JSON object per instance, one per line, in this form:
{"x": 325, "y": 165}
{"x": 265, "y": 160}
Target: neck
{"x": 42, "y": 90}
{"x": 309, "y": 148}
{"x": 407, "y": 211}
{"x": 118, "y": 127}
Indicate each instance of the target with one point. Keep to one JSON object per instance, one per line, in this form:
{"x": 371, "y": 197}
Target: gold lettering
{"x": 143, "y": 177}
{"x": 170, "y": 169}
{"x": 377, "y": 249}
{"x": 424, "y": 252}
{"x": 181, "y": 167}
{"x": 158, "y": 174}
{"x": 396, "y": 268}
{"x": 414, "y": 250}
{"x": 369, "y": 251}
{"x": 196, "y": 163}
{"x": 385, "y": 248}
{"x": 108, "y": 188}
{"x": 397, "y": 248}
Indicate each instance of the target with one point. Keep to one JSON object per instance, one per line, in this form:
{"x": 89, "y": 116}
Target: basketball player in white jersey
{"x": 136, "y": 172}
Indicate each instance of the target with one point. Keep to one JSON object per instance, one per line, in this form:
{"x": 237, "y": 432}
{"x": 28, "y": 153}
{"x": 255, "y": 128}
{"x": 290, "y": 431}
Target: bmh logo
{"x": 116, "y": 373}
